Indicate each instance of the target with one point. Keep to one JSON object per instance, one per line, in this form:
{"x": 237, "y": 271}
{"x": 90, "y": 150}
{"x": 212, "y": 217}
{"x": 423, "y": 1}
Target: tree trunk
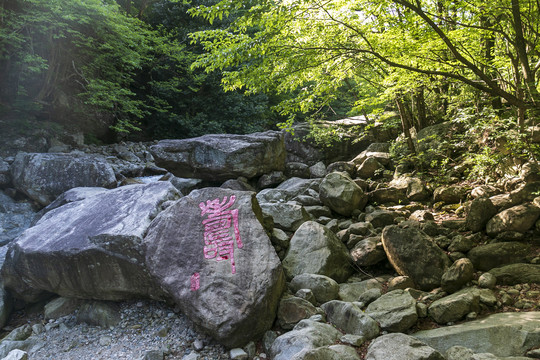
{"x": 419, "y": 102}
{"x": 405, "y": 123}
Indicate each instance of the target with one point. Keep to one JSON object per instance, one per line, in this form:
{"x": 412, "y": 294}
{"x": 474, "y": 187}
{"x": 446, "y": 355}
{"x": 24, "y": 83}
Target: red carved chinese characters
{"x": 221, "y": 221}
{"x": 195, "y": 281}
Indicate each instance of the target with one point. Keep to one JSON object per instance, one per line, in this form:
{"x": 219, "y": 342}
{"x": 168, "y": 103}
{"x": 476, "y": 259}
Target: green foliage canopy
{"x": 310, "y": 47}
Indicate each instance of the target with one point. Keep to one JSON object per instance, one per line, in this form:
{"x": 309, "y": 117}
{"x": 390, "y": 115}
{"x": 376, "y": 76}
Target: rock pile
{"x": 367, "y": 260}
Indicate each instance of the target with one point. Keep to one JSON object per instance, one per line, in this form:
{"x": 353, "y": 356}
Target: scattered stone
{"x": 351, "y": 319}
{"x": 395, "y": 311}
{"x": 292, "y": 310}
{"x": 318, "y": 170}
{"x": 238, "y": 354}
{"x": 400, "y": 282}
{"x": 412, "y": 253}
{"x": 105, "y": 341}
{"x": 389, "y": 195}
{"x": 333, "y": 352}
{"x": 487, "y": 257}
{"x": 272, "y": 179}
{"x": 314, "y": 249}
{"x": 480, "y": 212}
{"x": 354, "y": 340}
{"x": 452, "y": 194}
{"x": 381, "y": 218}
{"x": 287, "y": 216}
{"x": 421, "y": 216}
{"x": 341, "y": 194}
{"x": 16, "y": 354}
{"x": 60, "y": 307}
{"x": 369, "y": 168}
{"x": 368, "y": 252}
{"x": 399, "y": 347}
{"x": 459, "y": 274}
{"x": 306, "y": 335}
{"x": 487, "y": 280}
{"x": 324, "y": 288}
{"x": 454, "y": 307}
{"x": 517, "y": 274}
{"x": 461, "y": 244}
{"x": 368, "y": 296}
{"x": 99, "y": 313}
{"x": 519, "y": 218}
{"x": 352, "y": 291}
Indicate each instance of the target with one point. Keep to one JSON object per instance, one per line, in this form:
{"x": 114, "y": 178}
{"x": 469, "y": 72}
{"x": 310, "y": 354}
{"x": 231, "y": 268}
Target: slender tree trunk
{"x": 420, "y": 106}
{"x": 405, "y": 123}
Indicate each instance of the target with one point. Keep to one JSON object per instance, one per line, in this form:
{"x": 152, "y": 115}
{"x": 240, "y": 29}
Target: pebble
{"x": 238, "y": 354}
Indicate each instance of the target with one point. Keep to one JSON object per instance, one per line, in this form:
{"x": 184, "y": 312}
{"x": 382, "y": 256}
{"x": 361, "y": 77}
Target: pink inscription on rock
{"x": 219, "y": 228}
{"x": 195, "y": 282}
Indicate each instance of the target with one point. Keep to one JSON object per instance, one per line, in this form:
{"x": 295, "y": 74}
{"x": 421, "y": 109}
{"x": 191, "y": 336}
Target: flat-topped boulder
{"x": 210, "y": 252}
{"x": 43, "y": 177}
{"x": 90, "y": 248}
{"x": 222, "y": 156}
{"x": 504, "y": 334}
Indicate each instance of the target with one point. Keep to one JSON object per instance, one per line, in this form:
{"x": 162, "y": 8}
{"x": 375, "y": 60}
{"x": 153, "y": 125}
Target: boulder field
{"x": 354, "y": 259}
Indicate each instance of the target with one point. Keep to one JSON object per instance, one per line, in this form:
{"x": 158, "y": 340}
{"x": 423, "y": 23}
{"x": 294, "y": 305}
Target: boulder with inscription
{"x": 223, "y": 156}
{"x": 412, "y": 253}
{"x": 43, "y": 177}
{"x": 210, "y": 252}
{"x": 90, "y": 248}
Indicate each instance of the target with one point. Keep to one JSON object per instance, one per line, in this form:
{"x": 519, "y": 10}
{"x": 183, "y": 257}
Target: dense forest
{"x": 162, "y": 68}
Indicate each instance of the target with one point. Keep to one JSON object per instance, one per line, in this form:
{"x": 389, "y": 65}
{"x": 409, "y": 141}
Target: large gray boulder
{"x": 505, "y": 334}
{"x": 351, "y": 319}
{"x": 341, "y": 194}
{"x": 223, "y": 156}
{"x": 412, "y": 253}
{"x": 314, "y": 249}
{"x": 90, "y": 248}
{"x": 210, "y": 252}
{"x": 43, "y": 177}
{"x": 395, "y": 311}
{"x": 400, "y": 347}
{"x": 306, "y": 335}
{"x": 489, "y": 256}
{"x": 519, "y": 218}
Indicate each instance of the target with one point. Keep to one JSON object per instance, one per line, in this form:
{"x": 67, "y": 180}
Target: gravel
{"x": 147, "y": 330}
